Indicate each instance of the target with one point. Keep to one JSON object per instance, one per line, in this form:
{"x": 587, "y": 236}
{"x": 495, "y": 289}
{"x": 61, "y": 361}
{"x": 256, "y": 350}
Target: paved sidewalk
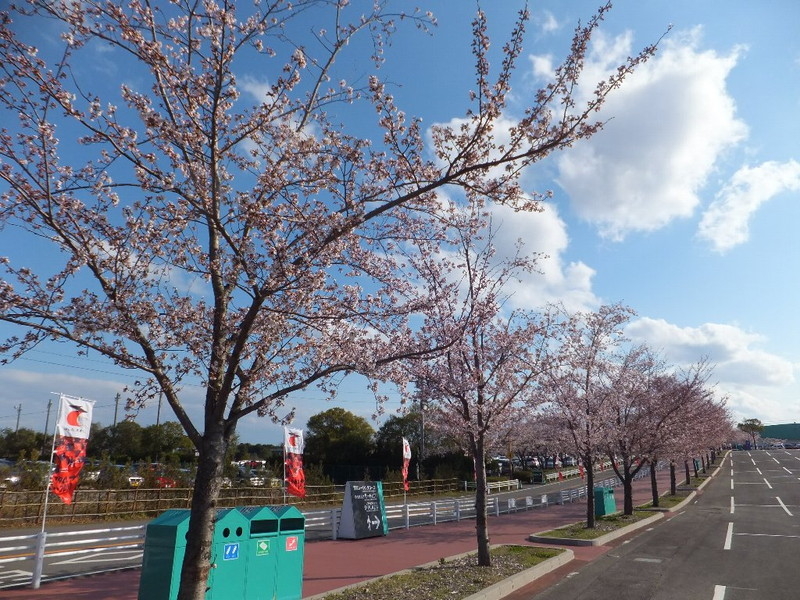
{"x": 333, "y": 564}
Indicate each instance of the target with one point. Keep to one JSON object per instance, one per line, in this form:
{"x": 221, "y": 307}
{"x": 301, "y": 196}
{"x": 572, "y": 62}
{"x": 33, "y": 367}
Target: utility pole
{"x": 114, "y": 428}
{"x": 116, "y": 406}
{"x": 19, "y": 412}
{"x": 47, "y": 425}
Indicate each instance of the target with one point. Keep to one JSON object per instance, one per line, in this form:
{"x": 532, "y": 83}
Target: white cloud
{"x": 547, "y": 22}
{"x": 756, "y": 382}
{"x": 542, "y": 65}
{"x": 732, "y": 349}
{"x": 544, "y": 232}
{"x": 260, "y": 91}
{"x": 725, "y": 223}
{"x": 669, "y": 124}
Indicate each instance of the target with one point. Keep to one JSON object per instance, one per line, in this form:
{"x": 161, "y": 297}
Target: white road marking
{"x": 728, "y": 537}
{"x": 719, "y": 592}
{"x": 775, "y": 535}
{"x": 15, "y": 575}
{"x": 731, "y": 504}
{"x": 104, "y": 557}
{"x": 759, "y": 471}
{"x": 648, "y": 560}
{"x": 776, "y": 460}
{"x": 767, "y": 482}
{"x": 753, "y": 461}
{"x": 783, "y": 506}
{"x": 731, "y": 482}
{"x": 787, "y": 470}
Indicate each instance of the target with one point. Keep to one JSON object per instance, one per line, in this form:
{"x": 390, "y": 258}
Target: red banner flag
{"x": 293, "y": 462}
{"x": 69, "y": 453}
{"x": 406, "y": 460}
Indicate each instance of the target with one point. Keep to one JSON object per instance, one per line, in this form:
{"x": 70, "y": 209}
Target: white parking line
{"x": 753, "y": 461}
{"x": 783, "y": 506}
{"x": 759, "y": 471}
{"x": 103, "y": 557}
{"x": 767, "y": 482}
{"x": 787, "y": 470}
{"x": 776, "y": 460}
{"x": 731, "y": 504}
{"x": 728, "y": 537}
{"x": 719, "y": 592}
{"x": 769, "y": 535}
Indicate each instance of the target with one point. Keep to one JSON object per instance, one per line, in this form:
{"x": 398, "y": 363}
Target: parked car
{"x": 532, "y": 462}
{"x": 166, "y": 482}
{"x": 10, "y": 480}
{"x": 552, "y": 463}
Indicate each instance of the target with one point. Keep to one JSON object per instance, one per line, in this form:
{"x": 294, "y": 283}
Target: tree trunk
{"x": 654, "y": 482}
{"x": 587, "y": 464}
{"x": 481, "y": 500}
{"x": 694, "y": 466}
{"x": 703, "y": 462}
{"x": 627, "y": 493}
{"x": 197, "y": 561}
{"x": 626, "y": 476}
{"x": 673, "y": 480}
{"x": 686, "y": 468}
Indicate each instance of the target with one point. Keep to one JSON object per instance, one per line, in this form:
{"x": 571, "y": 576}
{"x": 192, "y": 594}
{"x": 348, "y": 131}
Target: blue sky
{"x": 684, "y": 207}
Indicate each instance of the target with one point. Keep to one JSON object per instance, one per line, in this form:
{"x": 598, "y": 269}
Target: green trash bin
{"x": 261, "y": 552}
{"x": 164, "y": 549}
{"x": 291, "y": 546}
{"x": 226, "y": 580}
{"x": 604, "y": 503}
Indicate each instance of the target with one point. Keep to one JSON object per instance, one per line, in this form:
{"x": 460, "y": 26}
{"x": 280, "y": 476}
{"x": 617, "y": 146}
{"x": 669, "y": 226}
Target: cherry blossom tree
{"x": 577, "y": 389}
{"x": 647, "y": 404}
{"x": 252, "y": 247}
{"x": 634, "y": 407}
{"x": 491, "y": 360}
{"x": 703, "y": 422}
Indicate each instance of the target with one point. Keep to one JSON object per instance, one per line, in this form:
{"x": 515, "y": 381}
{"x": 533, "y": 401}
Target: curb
{"x": 682, "y": 503}
{"x": 503, "y": 588}
{"x": 497, "y": 591}
{"x": 600, "y": 541}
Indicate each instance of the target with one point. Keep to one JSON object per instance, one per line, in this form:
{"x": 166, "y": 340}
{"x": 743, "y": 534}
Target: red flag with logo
{"x": 406, "y": 460}
{"x": 293, "y": 462}
{"x": 69, "y": 453}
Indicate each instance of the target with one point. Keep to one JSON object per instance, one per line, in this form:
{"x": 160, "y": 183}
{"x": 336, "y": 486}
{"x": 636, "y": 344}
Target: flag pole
{"x": 284, "y": 465}
{"x": 41, "y": 538}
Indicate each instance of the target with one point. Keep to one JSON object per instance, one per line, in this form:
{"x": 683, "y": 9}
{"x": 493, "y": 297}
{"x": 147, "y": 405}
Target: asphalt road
{"x": 738, "y": 541}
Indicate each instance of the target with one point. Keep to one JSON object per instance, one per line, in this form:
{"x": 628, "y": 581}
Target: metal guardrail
{"x": 69, "y": 546}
